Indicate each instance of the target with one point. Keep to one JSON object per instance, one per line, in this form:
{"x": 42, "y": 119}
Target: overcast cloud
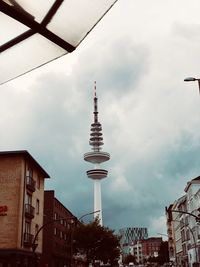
{"x": 139, "y": 54}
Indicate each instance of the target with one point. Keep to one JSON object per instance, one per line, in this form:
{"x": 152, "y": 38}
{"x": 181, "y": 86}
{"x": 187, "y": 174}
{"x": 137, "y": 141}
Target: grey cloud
{"x": 149, "y": 116}
{"x": 189, "y": 32}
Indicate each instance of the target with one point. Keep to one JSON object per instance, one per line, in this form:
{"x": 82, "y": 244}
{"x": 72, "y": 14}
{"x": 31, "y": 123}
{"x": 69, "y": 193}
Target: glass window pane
{"x": 76, "y": 18}
{"x": 73, "y": 20}
{"x": 27, "y": 55}
{"x": 11, "y": 28}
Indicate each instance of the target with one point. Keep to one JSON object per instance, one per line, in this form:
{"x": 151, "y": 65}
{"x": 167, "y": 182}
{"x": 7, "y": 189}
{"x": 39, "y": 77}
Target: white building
{"x": 192, "y": 190}
{"x": 183, "y": 228}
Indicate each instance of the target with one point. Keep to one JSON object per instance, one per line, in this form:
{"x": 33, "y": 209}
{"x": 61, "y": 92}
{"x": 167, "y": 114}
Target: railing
{"x": 29, "y": 211}
{"x": 28, "y": 239}
{"x": 30, "y": 183}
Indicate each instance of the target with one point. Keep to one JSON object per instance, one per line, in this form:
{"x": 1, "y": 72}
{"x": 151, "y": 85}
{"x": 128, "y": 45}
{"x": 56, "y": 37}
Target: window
{"x": 38, "y": 182}
{"x": 28, "y": 199}
{"x": 36, "y": 230}
{"x": 27, "y": 227}
{"x": 183, "y": 235}
{"x": 29, "y": 172}
{"x": 55, "y": 231}
{"x": 37, "y": 206}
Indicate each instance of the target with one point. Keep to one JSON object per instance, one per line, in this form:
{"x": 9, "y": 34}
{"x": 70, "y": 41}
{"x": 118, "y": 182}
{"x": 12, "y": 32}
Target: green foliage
{"x": 163, "y": 255}
{"x": 97, "y": 242}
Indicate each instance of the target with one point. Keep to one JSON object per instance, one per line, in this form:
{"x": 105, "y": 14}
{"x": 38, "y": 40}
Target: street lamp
{"x": 197, "y": 217}
{"x": 192, "y": 79}
{"x": 73, "y": 221}
{"x": 80, "y": 218}
{"x": 193, "y": 236}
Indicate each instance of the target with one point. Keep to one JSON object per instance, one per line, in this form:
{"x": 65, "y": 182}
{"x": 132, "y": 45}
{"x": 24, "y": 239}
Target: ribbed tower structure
{"x": 96, "y": 157}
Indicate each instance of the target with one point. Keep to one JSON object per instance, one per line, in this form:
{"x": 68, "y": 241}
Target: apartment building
{"x": 21, "y": 208}
{"x": 146, "y": 248}
{"x": 151, "y": 247}
{"x": 181, "y": 231}
{"x": 58, "y": 232}
{"x": 129, "y": 236}
{"x": 183, "y": 228}
{"x": 192, "y": 191}
{"x": 170, "y": 233}
{"x": 136, "y": 250}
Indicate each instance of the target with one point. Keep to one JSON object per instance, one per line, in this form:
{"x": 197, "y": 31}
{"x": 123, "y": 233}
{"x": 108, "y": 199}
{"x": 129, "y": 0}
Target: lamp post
{"x": 193, "y": 237}
{"x": 197, "y": 218}
{"x": 192, "y": 79}
{"x": 86, "y": 214}
{"x": 73, "y": 220}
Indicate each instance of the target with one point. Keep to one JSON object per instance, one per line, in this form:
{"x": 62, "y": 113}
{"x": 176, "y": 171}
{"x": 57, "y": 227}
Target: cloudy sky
{"x": 139, "y": 54}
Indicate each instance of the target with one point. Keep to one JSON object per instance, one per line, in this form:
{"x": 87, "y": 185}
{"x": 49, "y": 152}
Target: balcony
{"x": 30, "y": 183}
{"x": 28, "y": 240}
{"x": 29, "y": 211}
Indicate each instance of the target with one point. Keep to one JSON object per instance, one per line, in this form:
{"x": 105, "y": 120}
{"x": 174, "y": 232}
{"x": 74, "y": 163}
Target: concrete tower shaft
{"x": 96, "y": 157}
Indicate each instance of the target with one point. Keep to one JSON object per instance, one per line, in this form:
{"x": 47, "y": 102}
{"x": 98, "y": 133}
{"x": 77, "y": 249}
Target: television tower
{"x": 96, "y": 157}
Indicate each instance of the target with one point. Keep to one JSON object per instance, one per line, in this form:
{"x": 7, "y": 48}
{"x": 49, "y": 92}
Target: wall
{"x": 11, "y": 181}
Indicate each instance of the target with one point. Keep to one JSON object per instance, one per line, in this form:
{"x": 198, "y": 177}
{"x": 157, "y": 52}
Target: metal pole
{"x": 195, "y": 245}
{"x": 185, "y": 212}
{"x": 34, "y": 246}
{"x": 199, "y": 85}
{"x": 88, "y": 214}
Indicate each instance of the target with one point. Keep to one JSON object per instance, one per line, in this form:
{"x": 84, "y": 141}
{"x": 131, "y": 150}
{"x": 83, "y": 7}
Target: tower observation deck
{"x": 96, "y": 157}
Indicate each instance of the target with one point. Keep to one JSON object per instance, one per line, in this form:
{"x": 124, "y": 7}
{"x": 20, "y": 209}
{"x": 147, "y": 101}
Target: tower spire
{"x": 96, "y": 139}
{"x": 96, "y": 157}
{"x": 95, "y": 104}
{"x": 95, "y": 89}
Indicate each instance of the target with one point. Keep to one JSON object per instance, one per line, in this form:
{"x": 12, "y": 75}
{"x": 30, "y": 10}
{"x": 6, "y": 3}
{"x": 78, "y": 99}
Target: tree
{"x": 129, "y": 258}
{"x": 97, "y": 242}
{"x": 163, "y": 254}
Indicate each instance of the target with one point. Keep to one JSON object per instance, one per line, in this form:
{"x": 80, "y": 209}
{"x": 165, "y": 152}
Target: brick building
{"x": 151, "y": 246}
{"x": 146, "y": 248}
{"x": 57, "y": 235}
{"x": 130, "y": 236}
{"x": 21, "y": 207}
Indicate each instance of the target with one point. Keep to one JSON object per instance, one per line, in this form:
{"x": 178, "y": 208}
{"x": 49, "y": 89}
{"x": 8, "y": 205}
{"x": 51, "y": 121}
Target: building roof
{"x": 52, "y": 193}
{"x": 178, "y": 201}
{"x": 193, "y": 181}
{"x": 27, "y": 155}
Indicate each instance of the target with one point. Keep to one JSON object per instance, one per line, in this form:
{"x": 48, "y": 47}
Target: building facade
{"x": 192, "y": 191}
{"x": 183, "y": 228}
{"x": 21, "y": 208}
{"x": 171, "y": 234}
{"x": 146, "y": 248}
{"x": 151, "y": 247}
{"x": 129, "y": 236}
{"x": 58, "y": 233}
